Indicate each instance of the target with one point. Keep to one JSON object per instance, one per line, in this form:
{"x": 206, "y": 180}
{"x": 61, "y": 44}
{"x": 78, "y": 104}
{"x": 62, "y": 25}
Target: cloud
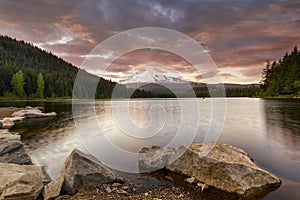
{"x": 237, "y": 34}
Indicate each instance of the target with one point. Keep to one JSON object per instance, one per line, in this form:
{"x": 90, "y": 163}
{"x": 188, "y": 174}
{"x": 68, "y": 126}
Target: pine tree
{"x": 40, "y": 86}
{"x": 18, "y": 82}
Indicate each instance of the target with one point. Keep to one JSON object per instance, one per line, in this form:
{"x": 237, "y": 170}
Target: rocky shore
{"x": 23, "y": 114}
{"x": 203, "y": 171}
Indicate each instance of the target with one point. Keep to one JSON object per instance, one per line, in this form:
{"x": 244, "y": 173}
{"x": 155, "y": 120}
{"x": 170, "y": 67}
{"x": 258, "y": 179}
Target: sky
{"x": 239, "y": 35}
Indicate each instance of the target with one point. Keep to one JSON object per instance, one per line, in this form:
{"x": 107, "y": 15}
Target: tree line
{"x": 29, "y": 72}
{"x": 282, "y": 77}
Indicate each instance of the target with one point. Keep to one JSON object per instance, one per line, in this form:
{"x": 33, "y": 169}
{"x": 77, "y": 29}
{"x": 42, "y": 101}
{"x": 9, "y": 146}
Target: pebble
{"x": 203, "y": 186}
{"x": 108, "y": 189}
{"x": 190, "y": 180}
{"x": 116, "y": 184}
{"x": 199, "y": 184}
{"x": 125, "y": 187}
{"x": 169, "y": 178}
{"x": 121, "y": 191}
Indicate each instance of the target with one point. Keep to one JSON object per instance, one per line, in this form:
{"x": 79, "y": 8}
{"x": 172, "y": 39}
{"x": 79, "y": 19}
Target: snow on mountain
{"x": 151, "y": 75}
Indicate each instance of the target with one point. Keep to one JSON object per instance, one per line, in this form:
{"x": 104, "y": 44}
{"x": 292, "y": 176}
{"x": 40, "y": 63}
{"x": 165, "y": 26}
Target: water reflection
{"x": 282, "y": 117}
{"x": 268, "y": 129}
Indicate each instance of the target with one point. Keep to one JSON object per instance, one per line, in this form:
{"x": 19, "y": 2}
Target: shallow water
{"x": 268, "y": 129}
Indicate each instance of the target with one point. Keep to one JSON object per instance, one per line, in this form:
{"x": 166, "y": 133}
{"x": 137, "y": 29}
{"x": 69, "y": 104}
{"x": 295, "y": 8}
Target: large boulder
{"x": 227, "y": 168}
{"x": 222, "y": 166}
{"x": 20, "y": 182}
{"x": 12, "y": 149}
{"x": 79, "y": 169}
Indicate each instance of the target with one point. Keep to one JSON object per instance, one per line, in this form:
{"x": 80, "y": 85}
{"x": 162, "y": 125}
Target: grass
{"x": 282, "y": 97}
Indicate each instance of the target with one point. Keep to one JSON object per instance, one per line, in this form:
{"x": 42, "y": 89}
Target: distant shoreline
{"x": 153, "y": 98}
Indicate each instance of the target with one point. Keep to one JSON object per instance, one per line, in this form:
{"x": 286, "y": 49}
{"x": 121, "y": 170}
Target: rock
{"x": 151, "y": 159}
{"x": 14, "y": 119}
{"x": 203, "y": 186}
{"x": 53, "y": 189}
{"x": 227, "y": 168}
{"x": 3, "y": 131}
{"x": 120, "y": 191}
{"x": 116, "y": 184}
{"x": 169, "y": 178}
{"x": 7, "y": 123}
{"x": 191, "y": 180}
{"x": 79, "y": 169}
{"x": 20, "y": 182}
{"x": 45, "y": 176}
{"x": 125, "y": 187}
{"x": 108, "y": 190}
{"x": 30, "y": 112}
{"x": 12, "y": 150}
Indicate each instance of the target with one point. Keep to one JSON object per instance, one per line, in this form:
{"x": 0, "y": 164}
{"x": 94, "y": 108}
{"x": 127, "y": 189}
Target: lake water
{"x": 268, "y": 129}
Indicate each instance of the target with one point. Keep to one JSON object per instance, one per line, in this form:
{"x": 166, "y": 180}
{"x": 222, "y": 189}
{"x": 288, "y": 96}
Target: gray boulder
{"x": 79, "y": 169}
{"x": 227, "y": 168}
{"x": 20, "y": 182}
{"x": 12, "y": 149}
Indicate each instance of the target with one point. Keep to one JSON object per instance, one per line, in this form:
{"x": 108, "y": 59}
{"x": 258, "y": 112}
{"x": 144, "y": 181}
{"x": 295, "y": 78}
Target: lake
{"x": 268, "y": 129}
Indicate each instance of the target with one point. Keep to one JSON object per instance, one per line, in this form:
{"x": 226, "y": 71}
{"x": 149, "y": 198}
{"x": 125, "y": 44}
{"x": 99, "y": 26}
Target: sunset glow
{"x": 240, "y": 36}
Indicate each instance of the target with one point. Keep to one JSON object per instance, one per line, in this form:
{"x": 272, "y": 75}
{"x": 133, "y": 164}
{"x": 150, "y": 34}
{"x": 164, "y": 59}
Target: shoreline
{"x": 4, "y": 100}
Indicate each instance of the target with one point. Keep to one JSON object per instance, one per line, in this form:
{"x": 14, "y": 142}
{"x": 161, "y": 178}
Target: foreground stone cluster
{"x": 20, "y": 180}
{"x": 218, "y": 165}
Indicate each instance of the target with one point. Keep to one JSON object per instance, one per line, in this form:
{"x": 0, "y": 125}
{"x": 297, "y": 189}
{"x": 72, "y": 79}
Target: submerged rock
{"x": 30, "y": 112}
{"x": 20, "y": 182}
{"x": 79, "y": 169}
{"x": 12, "y": 149}
{"x": 227, "y": 168}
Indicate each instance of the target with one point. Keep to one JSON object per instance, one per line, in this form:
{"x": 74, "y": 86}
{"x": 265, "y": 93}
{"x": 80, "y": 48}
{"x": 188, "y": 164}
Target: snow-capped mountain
{"x": 152, "y": 76}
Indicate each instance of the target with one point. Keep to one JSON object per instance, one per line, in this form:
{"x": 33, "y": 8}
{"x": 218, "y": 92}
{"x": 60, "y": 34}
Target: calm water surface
{"x": 268, "y": 129}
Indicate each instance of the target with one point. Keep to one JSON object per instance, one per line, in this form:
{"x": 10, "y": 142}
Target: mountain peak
{"x": 153, "y": 75}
